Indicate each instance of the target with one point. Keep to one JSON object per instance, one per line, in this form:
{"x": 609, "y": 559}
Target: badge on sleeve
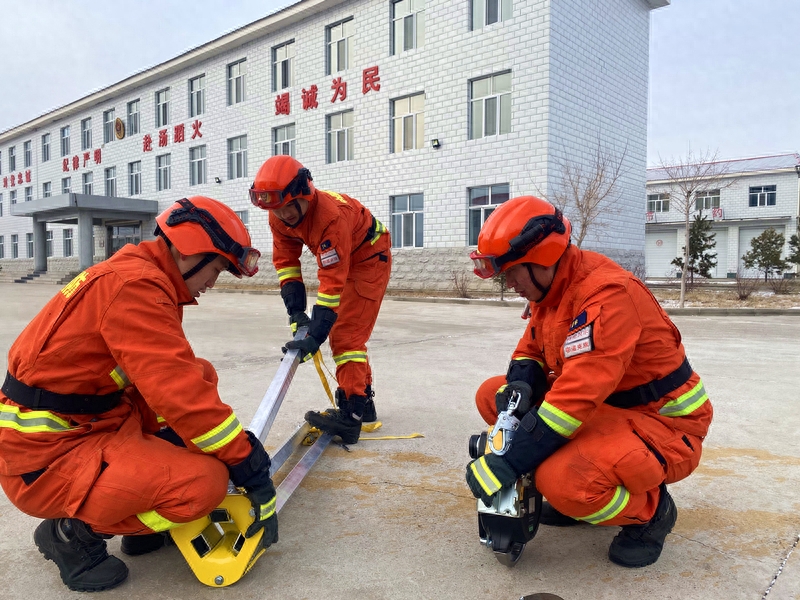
{"x": 578, "y": 321}
{"x": 328, "y": 256}
{"x": 579, "y": 342}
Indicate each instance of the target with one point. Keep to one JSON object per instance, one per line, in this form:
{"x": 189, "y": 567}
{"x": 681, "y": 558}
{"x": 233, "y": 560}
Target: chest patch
{"x": 579, "y": 342}
{"x": 329, "y": 256}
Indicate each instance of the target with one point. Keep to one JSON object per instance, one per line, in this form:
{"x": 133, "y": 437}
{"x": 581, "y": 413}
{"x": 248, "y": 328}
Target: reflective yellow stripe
{"x": 119, "y": 377}
{"x": 156, "y": 522}
{"x": 34, "y": 421}
{"x": 336, "y": 195}
{"x": 268, "y": 509}
{"x": 380, "y": 229}
{"x": 610, "y": 510}
{"x": 685, "y": 404}
{"x": 484, "y": 475}
{"x": 558, "y": 420}
{"x": 328, "y": 300}
{"x": 541, "y": 364}
{"x": 289, "y": 273}
{"x": 73, "y": 285}
{"x": 353, "y": 356}
{"x": 219, "y": 436}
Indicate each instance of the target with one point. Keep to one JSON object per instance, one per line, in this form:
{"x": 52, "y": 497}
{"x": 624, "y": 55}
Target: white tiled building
{"x": 756, "y": 194}
{"x": 450, "y": 106}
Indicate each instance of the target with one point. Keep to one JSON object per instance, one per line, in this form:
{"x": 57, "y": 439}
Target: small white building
{"x": 761, "y": 193}
{"x": 431, "y": 112}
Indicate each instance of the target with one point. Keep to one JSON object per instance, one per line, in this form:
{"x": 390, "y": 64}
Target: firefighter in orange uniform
{"x": 611, "y": 411}
{"x": 353, "y": 252}
{"x": 109, "y": 424}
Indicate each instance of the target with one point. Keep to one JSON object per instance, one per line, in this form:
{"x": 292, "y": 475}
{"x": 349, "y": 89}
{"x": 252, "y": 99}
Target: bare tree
{"x": 588, "y": 190}
{"x": 685, "y": 178}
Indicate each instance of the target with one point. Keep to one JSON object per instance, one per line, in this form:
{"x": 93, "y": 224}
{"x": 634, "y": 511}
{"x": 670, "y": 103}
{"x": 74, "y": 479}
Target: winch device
{"x": 215, "y": 546}
{"x": 513, "y": 518}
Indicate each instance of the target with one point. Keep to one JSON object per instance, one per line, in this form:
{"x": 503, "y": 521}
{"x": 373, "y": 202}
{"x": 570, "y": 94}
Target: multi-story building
{"x": 431, "y": 112}
{"x": 754, "y": 194}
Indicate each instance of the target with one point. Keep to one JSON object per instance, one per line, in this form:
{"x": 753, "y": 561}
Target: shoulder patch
{"x": 336, "y": 195}
{"x": 325, "y": 245}
{"x": 578, "y": 321}
{"x": 579, "y": 342}
{"x": 328, "y": 257}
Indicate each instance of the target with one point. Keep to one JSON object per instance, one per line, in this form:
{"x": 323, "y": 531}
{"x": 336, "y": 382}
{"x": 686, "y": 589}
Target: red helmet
{"x": 525, "y": 229}
{"x": 280, "y": 180}
{"x": 200, "y": 225}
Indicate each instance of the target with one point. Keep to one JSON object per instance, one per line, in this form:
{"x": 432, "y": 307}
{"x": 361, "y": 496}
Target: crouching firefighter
{"x": 109, "y": 424}
{"x": 353, "y": 253}
{"x": 622, "y": 414}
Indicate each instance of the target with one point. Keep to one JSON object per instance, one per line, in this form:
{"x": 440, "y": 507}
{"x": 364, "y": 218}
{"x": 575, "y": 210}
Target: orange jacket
{"x": 116, "y": 325}
{"x": 335, "y": 228}
{"x": 600, "y": 331}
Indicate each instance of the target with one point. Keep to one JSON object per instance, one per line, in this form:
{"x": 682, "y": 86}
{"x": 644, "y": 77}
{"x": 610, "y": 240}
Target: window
{"x": 111, "y": 181}
{"x": 408, "y": 25}
{"x": 197, "y": 165}
{"x": 482, "y": 201}
{"x": 236, "y": 80}
{"x": 15, "y": 246}
{"x": 340, "y": 48}
{"x": 45, "y": 147}
{"x": 49, "y": 243}
{"x": 108, "y": 126}
{"x": 237, "y": 157}
{"x": 763, "y": 195}
{"x": 29, "y": 244}
{"x": 283, "y": 140}
{"x": 87, "y": 183}
{"x": 66, "y": 185}
{"x": 2, "y": 246}
{"x": 27, "y": 155}
{"x": 163, "y": 172}
{"x": 657, "y": 203}
{"x": 135, "y": 178}
{"x": 197, "y": 96}
{"x": 707, "y": 200}
{"x": 162, "y": 107}
{"x": 68, "y": 242}
{"x": 12, "y": 159}
{"x": 65, "y": 141}
{"x": 243, "y": 216}
{"x": 408, "y": 123}
{"x": 1, "y": 208}
{"x": 490, "y": 104}
{"x": 47, "y": 189}
{"x": 133, "y": 117}
{"x": 407, "y": 218}
{"x": 340, "y": 136}
{"x": 12, "y": 197}
{"x": 86, "y": 133}
{"x": 29, "y": 193}
{"x": 486, "y": 12}
{"x": 282, "y": 66}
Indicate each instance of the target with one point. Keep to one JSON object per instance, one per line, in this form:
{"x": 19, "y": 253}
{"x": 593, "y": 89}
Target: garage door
{"x": 660, "y": 249}
{"x": 746, "y": 235}
{"x": 721, "y": 249}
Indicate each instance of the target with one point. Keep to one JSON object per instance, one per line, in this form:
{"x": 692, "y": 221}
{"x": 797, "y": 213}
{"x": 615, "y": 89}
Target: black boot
{"x": 641, "y": 545}
{"x": 550, "y": 516}
{"x": 370, "y": 415}
{"x": 135, "y": 545}
{"x": 344, "y": 421}
{"x": 80, "y": 555}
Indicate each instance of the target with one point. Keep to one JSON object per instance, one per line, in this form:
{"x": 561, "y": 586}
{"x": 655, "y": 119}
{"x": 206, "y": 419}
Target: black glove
{"x": 533, "y": 442}
{"x": 252, "y": 474}
{"x": 308, "y": 347}
{"x": 529, "y": 371}
{"x": 298, "y": 320}
{"x": 320, "y": 325}
{"x": 484, "y": 473}
{"x": 294, "y": 296}
{"x": 503, "y": 397}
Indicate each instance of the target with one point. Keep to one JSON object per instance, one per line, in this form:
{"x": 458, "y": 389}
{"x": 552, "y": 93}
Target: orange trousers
{"x": 358, "y": 311}
{"x": 114, "y": 476}
{"x": 609, "y": 453}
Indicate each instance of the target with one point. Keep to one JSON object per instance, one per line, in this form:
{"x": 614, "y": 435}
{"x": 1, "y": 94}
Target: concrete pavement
{"x": 394, "y": 519}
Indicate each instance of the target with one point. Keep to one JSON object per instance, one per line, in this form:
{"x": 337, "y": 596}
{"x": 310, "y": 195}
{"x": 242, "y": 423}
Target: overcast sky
{"x": 721, "y": 71}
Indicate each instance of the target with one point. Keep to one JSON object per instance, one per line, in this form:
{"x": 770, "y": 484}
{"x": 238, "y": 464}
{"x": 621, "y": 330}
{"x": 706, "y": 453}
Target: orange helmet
{"x": 280, "y": 180}
{"x": 525, "y": 229}
{"x": 200, "y": 225}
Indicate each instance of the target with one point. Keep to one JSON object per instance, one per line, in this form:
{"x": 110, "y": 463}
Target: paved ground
{"x": 394, "y": 519}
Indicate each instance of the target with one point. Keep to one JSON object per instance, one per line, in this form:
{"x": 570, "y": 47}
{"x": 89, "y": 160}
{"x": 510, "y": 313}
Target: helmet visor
{"x": 266, "y": 199}
{"x": 247, "y": 261}
{"x": 484, "y": 265}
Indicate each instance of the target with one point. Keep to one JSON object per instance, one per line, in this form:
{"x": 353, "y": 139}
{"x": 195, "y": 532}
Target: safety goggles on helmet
{"x": 246, "y": 257}
{"x": 535, "y": 230}
{"x": 272, "y": 199}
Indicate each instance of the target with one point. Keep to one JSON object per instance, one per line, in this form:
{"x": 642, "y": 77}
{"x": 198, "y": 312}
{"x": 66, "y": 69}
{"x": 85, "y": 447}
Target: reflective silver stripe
{"x": 558, "y": 420}
{"x": 610, "y": 510}
{"x": 219, "y": 436}
{"x": 484, "y": 475}
{"x": 686, "y": 403}
{"x": 34, "y": 421}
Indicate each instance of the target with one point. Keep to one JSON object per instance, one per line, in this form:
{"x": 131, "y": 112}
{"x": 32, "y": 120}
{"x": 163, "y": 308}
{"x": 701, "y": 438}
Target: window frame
{"x": 133, "y": 118}
{"x": 47, "y": 189}
{"x": 64, "y": 138}
{"x": 135, "y": 178}
{"x": 287, "y": 64}
{"x": 414, "y": 216}
{"x": 416, "y": 17}
{"x": 197, "y": 97}
{"x": 706, "y": 200}
{"x": 2, "y": 246}
{"x": 108, "y": 125}
{"x": 234, "y": 90}
{"x": 12, "y": 159}
{"x": 658, "y": 202}
{"x": 344, "y": 51}
{"x": 111, "y": 193}
{"x": 29, "y": 193}
{"x": 86, "y": 134}
{"x": 67, "y": 237}
{"x": 164, "y": 172}
{"x": 45, "y": 147}
{"x": 501, "y": 98}
{"x": 14, "y": 245}
{"x": 162, "y": 107}
{"x": 66, "y": 189}
{"x": 484, "y": 210}
{"x": 48, "y": 243}
{"x": 291, "y": 141}
{"x": 237, "y": 157}
{"x": 12, "y": 197}
{"x": 29, "y": 244}
{"x": 87, "y": 183}
{"x": 481, "y": 8}
{"x": 767, "y": 193}
{"x": 416, "y": 119}
{"x": 349, "y": 136}
{"x": 27, "y": 154}
{"x": 198, "y": 167}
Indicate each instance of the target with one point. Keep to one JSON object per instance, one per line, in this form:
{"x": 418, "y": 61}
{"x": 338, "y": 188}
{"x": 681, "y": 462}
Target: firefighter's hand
{"x": 503, "y": 397}
{"x": 263, "y": 500}
{"x": 298, "y": 320}
{"x": 308, "y": 347}
{"x": 487, "y": 475}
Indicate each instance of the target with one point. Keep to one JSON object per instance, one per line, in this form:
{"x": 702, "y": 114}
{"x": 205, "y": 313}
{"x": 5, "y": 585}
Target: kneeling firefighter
{"x": 109, "y": 424}
{"x": 611, "y": 411}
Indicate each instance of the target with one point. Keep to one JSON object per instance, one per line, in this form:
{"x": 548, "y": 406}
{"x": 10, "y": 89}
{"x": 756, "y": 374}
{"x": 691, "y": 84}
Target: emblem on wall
{"x": 119, "y": 128}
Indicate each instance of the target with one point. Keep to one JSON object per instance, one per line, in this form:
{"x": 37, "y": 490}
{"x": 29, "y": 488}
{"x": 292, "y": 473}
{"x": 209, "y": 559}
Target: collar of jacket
{"x": 159, "y": 253}
{"x": 567, "y": 268}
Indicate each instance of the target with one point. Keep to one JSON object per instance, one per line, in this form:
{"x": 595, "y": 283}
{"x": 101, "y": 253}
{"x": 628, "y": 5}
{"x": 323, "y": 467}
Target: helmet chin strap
{"x": 539, "y": 286}
{"x": 203, "y": 262}
{"x": 300, "y": 213}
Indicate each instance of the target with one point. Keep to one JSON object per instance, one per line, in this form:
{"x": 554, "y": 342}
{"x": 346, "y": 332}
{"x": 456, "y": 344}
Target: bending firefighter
{"x": 611, "y": 410}
{"x": 353, "y": 253}
{"x": 109, "y": 424}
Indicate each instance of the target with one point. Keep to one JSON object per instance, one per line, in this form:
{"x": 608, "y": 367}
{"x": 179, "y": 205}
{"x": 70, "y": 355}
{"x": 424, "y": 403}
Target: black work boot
{"x": 550, "y": 516}
{"x": 135, "y": 545}
{"x": 370, "y": 415}
{"x": 641, "y": 545}
{"x": 344, "y": 421}
{"x": 80, "y": 555}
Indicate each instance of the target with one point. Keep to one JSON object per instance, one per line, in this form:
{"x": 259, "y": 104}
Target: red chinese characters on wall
{"x": 370, "y": 80}
{"x": 282, "y": 104}
{"x": 98, "y": 155}
{"x": 178, "y": 134}
{"x": 196, "y": 129}
{"x": 163, "y": 138}
{"x": 147, "y": 143}
{"x": 339, "y": 88}
{"x": 14, "y": 179}
{"x": 310, "y": 97}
